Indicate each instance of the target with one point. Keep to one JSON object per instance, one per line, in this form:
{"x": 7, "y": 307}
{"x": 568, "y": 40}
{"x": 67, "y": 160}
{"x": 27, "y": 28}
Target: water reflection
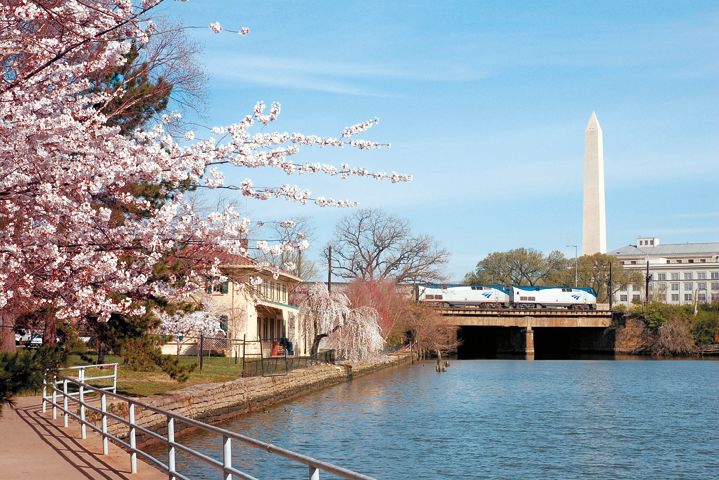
{"x": 498, "y": 419}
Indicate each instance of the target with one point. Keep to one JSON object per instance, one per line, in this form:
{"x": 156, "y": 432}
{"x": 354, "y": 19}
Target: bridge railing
{"x": 173, "y": 447}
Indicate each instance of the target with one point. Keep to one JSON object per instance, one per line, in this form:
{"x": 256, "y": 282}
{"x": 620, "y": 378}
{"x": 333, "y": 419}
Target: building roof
{"x": 228, "y": 260}
{"x": 668, "y": 249}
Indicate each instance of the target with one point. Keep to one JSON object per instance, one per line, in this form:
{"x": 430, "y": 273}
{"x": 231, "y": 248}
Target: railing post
{"x": 103, "y": 409}
{"x": 133, "y": 440}
{"x": 314, "y": 473}
{"x": 227, "y": 456}
{"x": 83, "y": 427}
{"x": 64, "y": 402}
{"x": 44, "y": 395}
{"x": 114, "y": 380}
{"x": 170, "y": 446}
{"x": 54, "y": 397}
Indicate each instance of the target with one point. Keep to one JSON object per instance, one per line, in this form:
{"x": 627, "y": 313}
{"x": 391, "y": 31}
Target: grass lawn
{"x": 154, "y": 381}
{"x": 143, "y": 383}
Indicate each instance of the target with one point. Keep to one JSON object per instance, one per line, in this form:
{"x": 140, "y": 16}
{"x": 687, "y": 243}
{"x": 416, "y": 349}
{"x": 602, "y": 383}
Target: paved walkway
{"x": 33, "y": 446}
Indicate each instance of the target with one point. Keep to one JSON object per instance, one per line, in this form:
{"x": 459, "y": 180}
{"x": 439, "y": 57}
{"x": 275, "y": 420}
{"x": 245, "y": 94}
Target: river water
{"x": 619, "y": 419}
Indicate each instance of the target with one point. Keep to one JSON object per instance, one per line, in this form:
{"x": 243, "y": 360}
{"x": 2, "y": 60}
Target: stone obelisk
{"x": 594, "y": 230}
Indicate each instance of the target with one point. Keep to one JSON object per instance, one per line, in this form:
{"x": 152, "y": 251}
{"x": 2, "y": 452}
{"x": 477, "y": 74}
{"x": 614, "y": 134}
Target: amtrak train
{"x": 501, "y": 296}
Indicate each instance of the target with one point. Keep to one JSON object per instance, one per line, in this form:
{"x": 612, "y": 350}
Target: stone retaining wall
{"x": 216, "y": 402}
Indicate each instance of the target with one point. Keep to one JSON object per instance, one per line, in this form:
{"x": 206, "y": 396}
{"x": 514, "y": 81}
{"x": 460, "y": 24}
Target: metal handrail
{"x": 82, "y": 378}
{"x": 173, "y": 447}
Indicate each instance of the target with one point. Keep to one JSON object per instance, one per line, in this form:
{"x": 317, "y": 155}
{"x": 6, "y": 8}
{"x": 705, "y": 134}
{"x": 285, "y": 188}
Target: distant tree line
{"x": 526, "y": 266}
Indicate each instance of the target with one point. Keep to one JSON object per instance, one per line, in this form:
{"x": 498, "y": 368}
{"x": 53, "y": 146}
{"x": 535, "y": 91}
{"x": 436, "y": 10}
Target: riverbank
{"x": 217, "y": 402}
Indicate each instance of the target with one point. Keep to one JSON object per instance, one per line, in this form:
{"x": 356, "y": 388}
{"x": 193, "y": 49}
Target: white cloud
{"x": 326, "y": 76}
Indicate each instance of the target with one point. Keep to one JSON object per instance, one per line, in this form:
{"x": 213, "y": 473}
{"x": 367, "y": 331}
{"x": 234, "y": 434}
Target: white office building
{"x": 681, "y": 273}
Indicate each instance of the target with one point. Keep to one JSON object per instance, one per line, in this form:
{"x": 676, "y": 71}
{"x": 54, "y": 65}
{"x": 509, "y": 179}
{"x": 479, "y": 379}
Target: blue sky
{"x": 485, "y": 104}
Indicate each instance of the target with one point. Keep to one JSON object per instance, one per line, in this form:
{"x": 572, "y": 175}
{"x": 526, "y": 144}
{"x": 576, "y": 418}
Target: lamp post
{"x": 576, "y": 266}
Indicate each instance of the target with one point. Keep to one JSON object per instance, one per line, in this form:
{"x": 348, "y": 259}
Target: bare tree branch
{"x": 372, "y": 245}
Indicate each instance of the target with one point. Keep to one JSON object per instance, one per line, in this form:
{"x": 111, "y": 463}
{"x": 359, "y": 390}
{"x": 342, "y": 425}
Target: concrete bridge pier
{"x": 529, "y": 342}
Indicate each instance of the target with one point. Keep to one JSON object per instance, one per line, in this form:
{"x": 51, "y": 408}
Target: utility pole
{"x": 576, "y": 266}
{"x": 648, "y": 277}
{"x": 610, "y": 287}
{"x": 329, "y": 268}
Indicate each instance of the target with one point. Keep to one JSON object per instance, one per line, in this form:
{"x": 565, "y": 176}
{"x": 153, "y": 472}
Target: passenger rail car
{"x": 499, "y": 296}
{"x": 574, "y": 298}
{"x": 486, "y": 296}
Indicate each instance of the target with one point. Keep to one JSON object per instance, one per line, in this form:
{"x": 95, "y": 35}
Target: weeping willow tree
{"x": 354, "y": 333}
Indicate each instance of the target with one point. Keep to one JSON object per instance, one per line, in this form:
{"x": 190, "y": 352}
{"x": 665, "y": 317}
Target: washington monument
{"x": 594, "y": 228}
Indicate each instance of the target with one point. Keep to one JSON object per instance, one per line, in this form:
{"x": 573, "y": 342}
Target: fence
{"x": 173, "y": 447}
{"x": 263, "y": 356}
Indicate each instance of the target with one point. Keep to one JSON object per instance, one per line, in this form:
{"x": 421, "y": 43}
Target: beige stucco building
{"x": 256, "y": 316}
{"x": 680, "y": 273}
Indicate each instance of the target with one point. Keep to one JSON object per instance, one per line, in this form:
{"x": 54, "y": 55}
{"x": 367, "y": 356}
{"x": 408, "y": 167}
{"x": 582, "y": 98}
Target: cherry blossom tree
{"x": 354, "y": 333}
{"x": 199, "y": 322}
{"x": 73, "y": 234}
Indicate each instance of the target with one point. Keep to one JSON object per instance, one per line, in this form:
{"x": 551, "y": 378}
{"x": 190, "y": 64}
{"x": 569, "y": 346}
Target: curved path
{"x": 33, "y": 446}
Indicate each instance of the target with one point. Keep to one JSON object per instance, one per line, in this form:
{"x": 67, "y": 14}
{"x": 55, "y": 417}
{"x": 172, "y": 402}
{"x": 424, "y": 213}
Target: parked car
{"x": 36, "y": 341}
{"x": 23, "y": 337}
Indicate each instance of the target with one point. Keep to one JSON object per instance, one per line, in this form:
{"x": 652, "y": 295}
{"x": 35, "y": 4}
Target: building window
{"x": 701, "y": 275}
{"x": 703, "y": 260}
{"x": 687, "y": 275}
{"x": 634, "y": 262}
{"x": 688, "y": 286}
{"x": 702, "y": 285}
{"x": 715, "y": 275}
{"x": 635, "y": 298}
{"x": 702, "y": 297}
{"x": 675, "y": 287}
{"x": 675, "y": 276}
{"x": 688, "y": 297}
{"x": 675, "y": 297}
{"x": 679, "y": 261}
{"x": 219, "y": 287}
{"x": 662, "y": 276}
{"x": 715, "y": 285}
{"x": 715, "y": 297}
{"x": 622, "y": 298}
{"x": 691, "y": 260}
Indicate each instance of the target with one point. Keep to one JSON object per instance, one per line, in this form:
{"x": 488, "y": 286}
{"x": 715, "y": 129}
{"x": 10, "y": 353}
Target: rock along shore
{"x": 216, "y": 402}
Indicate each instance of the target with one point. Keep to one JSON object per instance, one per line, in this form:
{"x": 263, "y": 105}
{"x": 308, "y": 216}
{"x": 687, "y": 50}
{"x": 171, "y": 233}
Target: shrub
{"x": 675, "y": 338}
{"x": 25, "y": 370}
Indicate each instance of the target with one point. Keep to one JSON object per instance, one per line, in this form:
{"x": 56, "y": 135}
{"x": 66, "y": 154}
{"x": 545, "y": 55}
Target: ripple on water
{"x": 509, "y": 419}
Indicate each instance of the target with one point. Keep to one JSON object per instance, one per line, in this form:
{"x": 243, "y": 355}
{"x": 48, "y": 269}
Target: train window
{"x": 438, "y": 297}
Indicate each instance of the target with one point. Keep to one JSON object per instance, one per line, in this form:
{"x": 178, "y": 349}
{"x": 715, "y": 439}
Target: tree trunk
{"x": 7, "y": 332}
{"x": 316, "y": 345}
{"x": 318, "y": 339}
{"x": 49, "y": 335}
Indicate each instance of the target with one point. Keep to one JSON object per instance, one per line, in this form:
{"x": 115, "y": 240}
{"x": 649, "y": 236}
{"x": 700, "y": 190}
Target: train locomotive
{"x": 502, "y": 296}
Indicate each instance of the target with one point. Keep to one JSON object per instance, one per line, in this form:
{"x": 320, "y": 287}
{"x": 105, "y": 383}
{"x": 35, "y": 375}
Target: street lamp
{"x": 576, "y": 266}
